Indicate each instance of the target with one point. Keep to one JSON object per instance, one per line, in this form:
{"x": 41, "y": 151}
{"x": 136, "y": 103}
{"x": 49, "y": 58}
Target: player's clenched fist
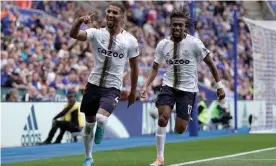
{"x": 143, "y": 92}
{"x": 86, "y": 19}
{"x": 220, "y": 94}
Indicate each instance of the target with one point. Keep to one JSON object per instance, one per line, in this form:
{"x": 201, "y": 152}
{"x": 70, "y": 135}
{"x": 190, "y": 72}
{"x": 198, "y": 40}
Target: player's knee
{"x": 90, "y": 119}
{"x": 88, "y": 129}
{"x": 163, "y": 120}
{"x": 101, "y": 119}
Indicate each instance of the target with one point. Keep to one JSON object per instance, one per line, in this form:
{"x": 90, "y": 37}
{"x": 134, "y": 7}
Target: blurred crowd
{"x": 38, "y": 56}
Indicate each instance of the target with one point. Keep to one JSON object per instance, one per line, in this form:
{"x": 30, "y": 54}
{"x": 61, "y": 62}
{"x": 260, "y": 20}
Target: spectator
{"x": 32, "y": 95}
{"x": 51, "y": 95}
{"x": 5, "y": 75}
{"x": 70, "y": 120}
{"x": 220, "y": 115}
{"x": 12, "y": 96}
{"x": 203, "y": 116}
{"x": 15, "y": 81}
{"x": 41, "y": 52}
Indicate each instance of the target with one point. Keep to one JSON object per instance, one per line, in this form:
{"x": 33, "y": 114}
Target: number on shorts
{"x": 190, "y": 109}
{"x": 117, "y": 100}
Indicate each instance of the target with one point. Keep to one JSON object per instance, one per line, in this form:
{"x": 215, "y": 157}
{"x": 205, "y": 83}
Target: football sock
{"x": 101, "y": 120}
{"x": 88, "y": 136}
{"x": 160, "y": 141}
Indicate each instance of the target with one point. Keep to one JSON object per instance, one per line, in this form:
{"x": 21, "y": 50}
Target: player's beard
{"x": 111, "y": 25}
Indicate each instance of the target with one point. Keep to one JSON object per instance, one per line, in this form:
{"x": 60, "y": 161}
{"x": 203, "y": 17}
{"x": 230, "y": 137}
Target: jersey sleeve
{"x": 158, "y": 56}
{"x": 201, "y": 50}
{"x": 90, "y": 33}
{"x": 133, "y": 49}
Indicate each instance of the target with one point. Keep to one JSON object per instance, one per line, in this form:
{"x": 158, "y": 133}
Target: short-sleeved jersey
{"x": 181, "y": 62}
{"x": 110, "y": 56}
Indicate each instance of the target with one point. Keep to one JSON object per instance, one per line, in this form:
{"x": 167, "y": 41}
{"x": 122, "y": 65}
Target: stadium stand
{"x": 40, "y": 62}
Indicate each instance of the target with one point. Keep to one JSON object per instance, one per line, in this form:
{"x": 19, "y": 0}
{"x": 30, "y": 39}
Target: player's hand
{"x": 220, "y": 94}
{"x": 131, "y": 98}
{"x": 87, "y": 19}
{"x": 143, "y": 92}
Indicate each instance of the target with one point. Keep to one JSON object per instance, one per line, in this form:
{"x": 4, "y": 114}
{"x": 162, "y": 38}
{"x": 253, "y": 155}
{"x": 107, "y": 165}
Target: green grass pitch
{"x": 179, "y": 153}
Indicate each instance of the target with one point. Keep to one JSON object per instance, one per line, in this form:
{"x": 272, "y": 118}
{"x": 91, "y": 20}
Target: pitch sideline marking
{"x": 223, "y": 157}
{"x": 253, "y": 159}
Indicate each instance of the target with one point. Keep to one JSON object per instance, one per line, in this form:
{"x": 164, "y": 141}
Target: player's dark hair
{"x": 123, "y": 9}
{"x": 182, "y": 13}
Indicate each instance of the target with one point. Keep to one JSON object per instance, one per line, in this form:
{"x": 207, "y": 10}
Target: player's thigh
{"x": 184, "y": 104}
{"x": 108, "y": 100}
{"x": 165, "y": 101}
{"x": 184, "y": 107}
{"x": 90, "y": 100}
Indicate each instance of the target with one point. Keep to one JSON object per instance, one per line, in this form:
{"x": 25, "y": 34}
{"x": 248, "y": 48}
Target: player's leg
{"x": 108, "y": 102}
{"x": 164, "y": 116}
{"x": 180, "y": 125}
{"x": 164, "y": 103}
{"x": 101, "y": 118}
{"x": 184, "y": 107}
{"x": 88, "y": 136}
{"x": 89, "y": 106}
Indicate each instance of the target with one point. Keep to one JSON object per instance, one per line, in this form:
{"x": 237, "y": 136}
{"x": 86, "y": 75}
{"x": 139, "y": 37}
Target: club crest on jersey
{"x": 122, "y": 46}
{"x": 168, "y": 54}
{"x": 185, "y": 53}
{"x": 103, "y": 41}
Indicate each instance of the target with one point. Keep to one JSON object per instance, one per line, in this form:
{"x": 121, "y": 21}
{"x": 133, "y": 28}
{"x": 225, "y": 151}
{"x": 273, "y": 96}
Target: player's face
{"x": 177, "y": 27}
{"x": 113, "y": 16}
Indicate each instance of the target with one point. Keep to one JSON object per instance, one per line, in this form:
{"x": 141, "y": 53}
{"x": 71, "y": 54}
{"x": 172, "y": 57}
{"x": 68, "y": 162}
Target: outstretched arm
{"x": 151, "y": 77}
{"x": 208, "y": 60}
{"x": 220, "y": 92}
{"x": 133, "y": 55}
{"x": 154, "y": 70}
